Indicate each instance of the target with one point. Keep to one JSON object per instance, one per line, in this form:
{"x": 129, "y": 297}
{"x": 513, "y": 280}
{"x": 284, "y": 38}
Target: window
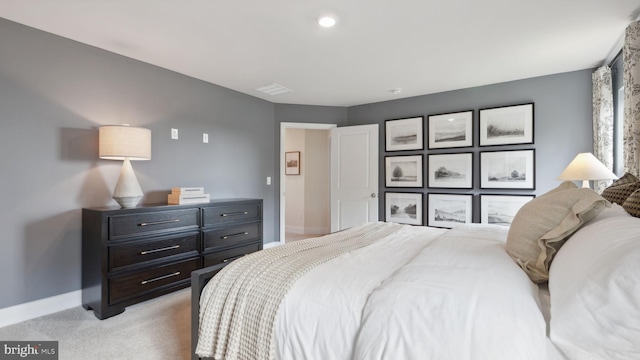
{"x": 617, "y": 73}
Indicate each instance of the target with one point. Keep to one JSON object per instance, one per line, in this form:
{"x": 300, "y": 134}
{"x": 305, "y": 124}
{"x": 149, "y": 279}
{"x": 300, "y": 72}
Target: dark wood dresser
{"x": 132, "y": 255}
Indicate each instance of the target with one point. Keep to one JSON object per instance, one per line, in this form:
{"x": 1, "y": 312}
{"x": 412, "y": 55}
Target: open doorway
{"x": 305, "y": 197}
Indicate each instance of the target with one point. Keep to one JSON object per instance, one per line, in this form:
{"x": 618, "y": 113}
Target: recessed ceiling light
{"x": 327, "y": 21}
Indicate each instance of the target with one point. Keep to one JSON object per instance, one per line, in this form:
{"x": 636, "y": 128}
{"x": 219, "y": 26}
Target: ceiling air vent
{"x": 274, "y": 89}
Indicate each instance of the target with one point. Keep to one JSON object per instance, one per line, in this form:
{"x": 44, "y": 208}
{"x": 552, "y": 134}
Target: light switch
{"x": 174, "y": 134}
{"x": 205, "y": 138}
{"x": 268, "y": 180}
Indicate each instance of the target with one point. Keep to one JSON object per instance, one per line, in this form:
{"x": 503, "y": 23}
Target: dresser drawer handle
{"x": 159, "y": 222}
{"x": 232, "y": 258}
{"x": 235, "y": 213}
{"x": 158, "y": 250}
{"x": 160, "y": 278}
{"x": 234, "y": 235}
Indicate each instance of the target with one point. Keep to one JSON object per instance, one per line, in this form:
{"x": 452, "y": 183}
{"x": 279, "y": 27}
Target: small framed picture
{"x": 403, "y": 171}
{"x": 404, "y": 208}
{"x": 292, "y": 163}
{"x": 506, "y": 125}
{"x": 451, "y": 130}
{"x": 449, "y": 210}
{"x": 404, "y": 134}
{"x": 450, "y": 170}
{"x": 501, "y": 209}
{"x": 509, "y": 169}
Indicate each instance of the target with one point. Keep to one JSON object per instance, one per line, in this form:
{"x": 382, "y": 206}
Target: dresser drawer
{"x": 228, "y": 256}
{"x": 139, "y": 252}
{"x": 123, "y": 226}
{"x": 231, "y": 235}
{"x": 126, "y": 287}
{"x": 217, "y": 215}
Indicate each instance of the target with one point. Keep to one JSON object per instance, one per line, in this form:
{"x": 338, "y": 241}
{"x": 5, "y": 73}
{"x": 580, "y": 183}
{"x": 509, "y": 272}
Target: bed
{"x": 391, "y": 291}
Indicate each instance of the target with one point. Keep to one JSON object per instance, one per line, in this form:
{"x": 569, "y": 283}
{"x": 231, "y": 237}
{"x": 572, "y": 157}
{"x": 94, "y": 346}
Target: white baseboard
{"x": 22, "y": 312}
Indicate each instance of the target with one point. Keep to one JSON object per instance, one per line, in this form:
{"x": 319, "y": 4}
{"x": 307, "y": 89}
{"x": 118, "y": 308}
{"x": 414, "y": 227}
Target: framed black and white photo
{"x": 292, "y": 162}
{"x": 450, "y": 170}
{"x": 403, "y": 171}
{"x": 449, "y": 210}
{"x": 510, "y": 169}
{"x": 501, "y": 209}
{"x": 404, "y": 134}
{"x": 404, "y": 208}
{"x": 451, "y": 130}
{"x": 506, "y": 125}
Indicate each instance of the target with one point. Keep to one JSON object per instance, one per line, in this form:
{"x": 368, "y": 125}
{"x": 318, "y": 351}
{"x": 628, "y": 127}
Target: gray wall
{"x": 54, "y": 93}
{"x": 562, "y": 111}
{"x": 311, "y": 114}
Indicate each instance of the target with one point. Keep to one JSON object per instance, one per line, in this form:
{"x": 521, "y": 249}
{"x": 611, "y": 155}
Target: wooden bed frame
{"x": 199, "y": 279}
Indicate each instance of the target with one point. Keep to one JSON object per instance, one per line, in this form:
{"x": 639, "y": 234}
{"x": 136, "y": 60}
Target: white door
{"x": 354, "y": 176}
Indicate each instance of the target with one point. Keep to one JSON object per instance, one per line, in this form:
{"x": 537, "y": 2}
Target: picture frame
{"x": 500, "y": 209}
{"x": 507, "y": 125}
{"x": 450, "y": 170}
{"x": 292, "y": 163}
{"x": 403, "y": 171}
{"x": 404, "y": 134}
{"x": 449, "y": 210}
{"x": 403, "y": 208}
{"x": 451, "y": 130}
{"x": 508, "y": 169}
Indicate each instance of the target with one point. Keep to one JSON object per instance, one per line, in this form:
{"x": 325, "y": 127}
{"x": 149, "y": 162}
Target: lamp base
{"x": 128, "y": 201}
{"x": 127, "y": 192}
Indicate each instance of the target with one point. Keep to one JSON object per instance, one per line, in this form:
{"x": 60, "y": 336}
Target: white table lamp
{"x": 586, "y": 167}
{"x": 123, "y": 142}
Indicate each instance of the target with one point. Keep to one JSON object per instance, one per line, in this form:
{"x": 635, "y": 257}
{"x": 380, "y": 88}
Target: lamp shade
{"x": 585, "y": 166}
{"x": 125, "y": 143}
{"x": 120, "y": 142}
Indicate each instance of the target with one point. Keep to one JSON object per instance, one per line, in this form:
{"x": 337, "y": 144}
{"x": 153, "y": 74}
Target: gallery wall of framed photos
{"x": 430, "y": 171}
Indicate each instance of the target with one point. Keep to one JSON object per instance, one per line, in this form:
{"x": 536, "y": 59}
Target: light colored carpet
{"x": 152, "y": 330}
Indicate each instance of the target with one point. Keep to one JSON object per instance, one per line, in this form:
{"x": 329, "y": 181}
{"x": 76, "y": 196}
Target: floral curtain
{"x": 631, "y": 55}
{"x": 602, "y": 121}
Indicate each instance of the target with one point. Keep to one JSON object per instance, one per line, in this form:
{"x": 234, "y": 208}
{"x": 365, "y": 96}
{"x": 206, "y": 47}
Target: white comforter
{"x": 422, "y": 293}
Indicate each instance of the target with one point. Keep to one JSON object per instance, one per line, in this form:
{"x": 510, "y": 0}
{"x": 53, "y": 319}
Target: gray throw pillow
{"x": 620, "y": 190}
{"x": 632, "y": 204}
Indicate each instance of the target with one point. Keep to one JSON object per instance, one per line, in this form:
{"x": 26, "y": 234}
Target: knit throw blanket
{"x": 238, "y": 306}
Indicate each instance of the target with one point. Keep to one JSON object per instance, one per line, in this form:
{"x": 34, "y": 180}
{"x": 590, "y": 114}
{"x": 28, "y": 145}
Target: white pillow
{"x": 594, "y": 285}
{"x": 613, "y": 211}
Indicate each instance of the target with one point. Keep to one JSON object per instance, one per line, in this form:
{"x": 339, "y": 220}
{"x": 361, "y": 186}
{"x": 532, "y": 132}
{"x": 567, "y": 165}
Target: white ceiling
{"x": 420, "y": 46}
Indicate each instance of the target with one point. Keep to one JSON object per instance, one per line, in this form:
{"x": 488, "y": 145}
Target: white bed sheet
{"x": 423, "y": 293}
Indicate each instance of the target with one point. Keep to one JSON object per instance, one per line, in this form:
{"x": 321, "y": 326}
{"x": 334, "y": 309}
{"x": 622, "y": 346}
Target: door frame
{"x": 283, "y": 127}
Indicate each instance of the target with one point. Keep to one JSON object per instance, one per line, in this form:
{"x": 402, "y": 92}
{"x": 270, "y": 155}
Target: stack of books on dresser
{"x": 187, "y": 195}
